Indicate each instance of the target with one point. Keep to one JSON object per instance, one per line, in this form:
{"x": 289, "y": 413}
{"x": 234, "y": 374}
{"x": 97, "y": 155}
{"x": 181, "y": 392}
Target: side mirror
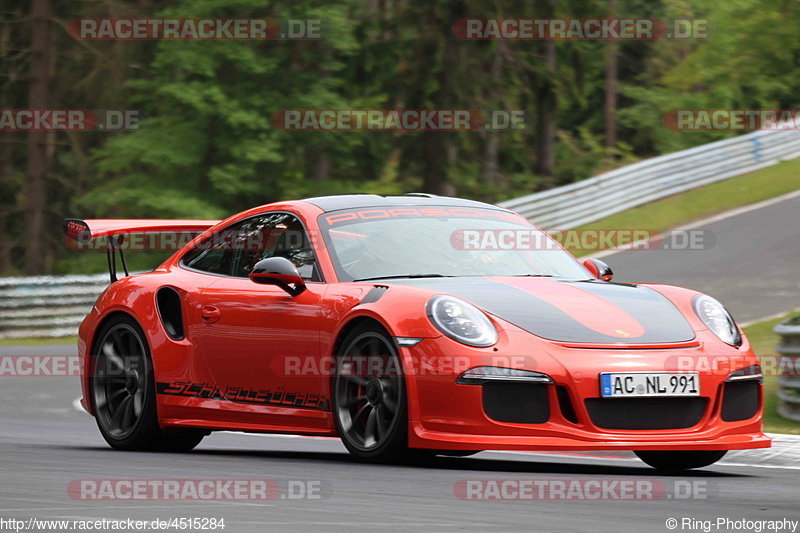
{"x": 599, "y": 269}
{"x": 278, "y": 271}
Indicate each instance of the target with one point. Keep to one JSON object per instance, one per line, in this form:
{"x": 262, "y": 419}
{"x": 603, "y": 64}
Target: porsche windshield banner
{"x": 354, "y": 216}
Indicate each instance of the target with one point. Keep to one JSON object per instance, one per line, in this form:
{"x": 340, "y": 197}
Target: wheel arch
{"x": 351, "y": 324}
{"x": 118, "y": 313}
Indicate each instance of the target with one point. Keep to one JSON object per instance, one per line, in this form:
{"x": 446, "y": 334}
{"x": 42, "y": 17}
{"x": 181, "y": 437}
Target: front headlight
{"x": 461, "y": 321}
{"x": 717, "y": 319}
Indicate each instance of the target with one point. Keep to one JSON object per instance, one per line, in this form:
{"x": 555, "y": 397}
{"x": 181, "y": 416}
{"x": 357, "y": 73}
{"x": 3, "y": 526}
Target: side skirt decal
{"x": 276, "y": 398}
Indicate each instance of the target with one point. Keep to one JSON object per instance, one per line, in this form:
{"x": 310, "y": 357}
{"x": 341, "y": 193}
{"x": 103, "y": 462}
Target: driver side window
{"x": 276, "y": 235}
{"x": 235, "y": 250}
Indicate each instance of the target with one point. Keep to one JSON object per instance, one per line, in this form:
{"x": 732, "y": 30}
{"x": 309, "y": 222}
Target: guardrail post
{"x": 756, "y": 140}
{"x": 789, "y": 391}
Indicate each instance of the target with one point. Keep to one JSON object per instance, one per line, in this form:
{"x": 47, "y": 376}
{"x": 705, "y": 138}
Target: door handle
{"x": 210, "y": 314}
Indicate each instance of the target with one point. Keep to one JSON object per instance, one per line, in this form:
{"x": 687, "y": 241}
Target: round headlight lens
{"x": 717, "y": 319}
{"x": 461, "y": 321}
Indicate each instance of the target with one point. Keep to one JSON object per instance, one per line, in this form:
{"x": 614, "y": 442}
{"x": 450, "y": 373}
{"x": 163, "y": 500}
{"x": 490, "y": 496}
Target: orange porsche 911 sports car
{"x": 407, "y": 325}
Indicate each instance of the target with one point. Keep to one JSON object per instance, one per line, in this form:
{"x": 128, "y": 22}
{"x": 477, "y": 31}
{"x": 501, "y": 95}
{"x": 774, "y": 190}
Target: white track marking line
{"x": 770, "y": 317}
{"x": 747, "y": 465}
{"x": 740, "y": 211}
{"x": 704, "y": 222}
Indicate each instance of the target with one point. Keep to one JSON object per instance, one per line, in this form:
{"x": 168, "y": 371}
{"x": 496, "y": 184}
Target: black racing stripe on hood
{"x": 661, "y": 320}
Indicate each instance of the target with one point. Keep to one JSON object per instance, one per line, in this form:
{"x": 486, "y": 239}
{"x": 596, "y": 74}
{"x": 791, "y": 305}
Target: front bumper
{"x": 421, "y": 438}
{"x": 447, "y": 415}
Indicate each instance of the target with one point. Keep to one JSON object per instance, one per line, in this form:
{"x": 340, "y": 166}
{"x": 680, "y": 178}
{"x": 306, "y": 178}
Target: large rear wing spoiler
{"x": 114, "y": 230}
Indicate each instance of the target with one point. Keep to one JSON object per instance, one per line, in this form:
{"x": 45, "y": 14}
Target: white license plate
{"x": 648, "y": 384}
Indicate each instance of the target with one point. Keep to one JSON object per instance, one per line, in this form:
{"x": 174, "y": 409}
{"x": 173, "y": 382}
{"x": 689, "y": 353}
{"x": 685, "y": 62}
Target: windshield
{"x": 422, "y": 242}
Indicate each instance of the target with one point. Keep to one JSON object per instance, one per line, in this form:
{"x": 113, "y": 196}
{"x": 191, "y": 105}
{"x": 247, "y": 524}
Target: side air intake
{"x": 168, "y": 302}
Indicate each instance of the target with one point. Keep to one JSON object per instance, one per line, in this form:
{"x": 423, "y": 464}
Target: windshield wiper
{"x": 406, "y": 276}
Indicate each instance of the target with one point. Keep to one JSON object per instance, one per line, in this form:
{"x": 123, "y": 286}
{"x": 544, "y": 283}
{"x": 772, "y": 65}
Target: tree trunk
{"x": 610, "y": 104}
{"x": 35, "y": 185}
{"x": 321, "y": 169}
{"x": 6, "y": 173}
{"x": 434, "y": 162}
{"x": 438, "y": 146}
{"x": 490, "y": 158}
{"x": 546, "y": 115}
{"x": 492, "y": 138}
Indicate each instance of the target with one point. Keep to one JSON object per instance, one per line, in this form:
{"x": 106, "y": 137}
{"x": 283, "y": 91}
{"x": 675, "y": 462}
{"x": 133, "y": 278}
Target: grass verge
{"x": 38, "y": 341}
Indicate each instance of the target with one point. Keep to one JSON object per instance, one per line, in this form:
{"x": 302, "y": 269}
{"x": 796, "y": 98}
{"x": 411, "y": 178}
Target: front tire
{"x": 123, "y": 396}
{"x": 369, "y": 397}
{"x": 680, "y": 460}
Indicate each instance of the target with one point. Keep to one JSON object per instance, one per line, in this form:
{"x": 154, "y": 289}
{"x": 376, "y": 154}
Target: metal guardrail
{"x": 51, "y": 306}
{"x": 633, "y": 185}
{"x": 46, "y": 306}
{"x": 789, "y": 391}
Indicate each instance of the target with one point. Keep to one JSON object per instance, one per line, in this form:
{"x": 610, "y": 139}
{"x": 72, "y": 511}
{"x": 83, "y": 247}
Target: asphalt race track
{"x": 750, "y": 262}
{"x": 45, "y": 442}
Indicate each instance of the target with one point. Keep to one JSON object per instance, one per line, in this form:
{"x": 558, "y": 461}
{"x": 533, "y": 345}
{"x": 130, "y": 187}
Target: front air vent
{"x": 646, "y": 413}
{"x": 740, "y": 400}
{"x": 519, "y": 403}
{"x": 170, "y": 310}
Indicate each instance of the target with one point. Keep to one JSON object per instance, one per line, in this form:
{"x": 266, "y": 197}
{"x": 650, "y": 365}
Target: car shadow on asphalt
{"x": 478, "y": 464}
{"x": 468, "y": 464}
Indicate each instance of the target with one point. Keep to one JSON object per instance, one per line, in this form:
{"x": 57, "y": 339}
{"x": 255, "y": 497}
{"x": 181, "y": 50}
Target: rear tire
{"x": 123, "y": 396}
{"x": 369, "y": 397}
{"x": 680, "y": 460}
